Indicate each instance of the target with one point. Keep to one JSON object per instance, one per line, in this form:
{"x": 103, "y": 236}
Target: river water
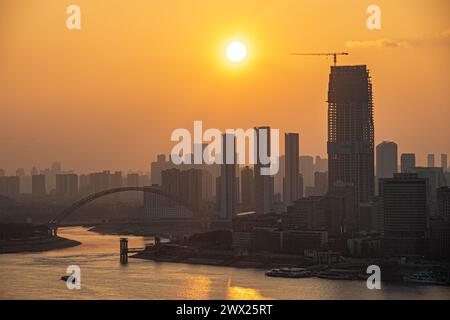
{"x": 37, "y": 276}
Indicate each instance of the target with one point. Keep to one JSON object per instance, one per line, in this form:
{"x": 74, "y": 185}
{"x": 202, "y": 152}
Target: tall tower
{"x": 291, "y": 147}
{"x": 430, "y": 160}
{"x": 386, "y": 159}
{"x": 444, "y": 163}
{"x": 407, "y": 162}
{"x": 263, "y": 183}
{"x": 351, "y": 130}
{"x": 228, "y": 185}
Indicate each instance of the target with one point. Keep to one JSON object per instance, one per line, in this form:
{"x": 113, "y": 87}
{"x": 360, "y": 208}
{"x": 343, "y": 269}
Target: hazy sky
{"x": 109, "y": 95}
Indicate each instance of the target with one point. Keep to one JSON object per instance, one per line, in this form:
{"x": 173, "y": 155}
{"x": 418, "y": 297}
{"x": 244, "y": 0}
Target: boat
{"x": 289, "y": 273}
{"x": 426, "y": 278}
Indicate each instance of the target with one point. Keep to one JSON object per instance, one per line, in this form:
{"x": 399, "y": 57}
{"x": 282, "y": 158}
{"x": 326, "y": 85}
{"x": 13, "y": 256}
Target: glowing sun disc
{"x": 236, "y": 51}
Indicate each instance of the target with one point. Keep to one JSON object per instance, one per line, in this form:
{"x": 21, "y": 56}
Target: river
{"x": 37, "y": 276}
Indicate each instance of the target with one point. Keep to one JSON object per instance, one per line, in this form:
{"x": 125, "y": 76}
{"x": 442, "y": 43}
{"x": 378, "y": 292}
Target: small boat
{"x": 426, "y": 278}
{"x": 289, "y": 273}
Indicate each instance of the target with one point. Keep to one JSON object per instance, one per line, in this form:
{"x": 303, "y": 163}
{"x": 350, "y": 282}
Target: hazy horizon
{"x": 109, "y": 95}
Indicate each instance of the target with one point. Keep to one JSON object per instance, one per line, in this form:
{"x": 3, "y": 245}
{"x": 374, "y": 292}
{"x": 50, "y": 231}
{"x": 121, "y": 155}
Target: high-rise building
{"x": 440, "y": 226}
{"x": 404, "y": 202}
{"x": 247, "y": 188}
{"x": 351, "y": 130}
{"x": 300, "y": 185}
{"x": 430, "y": 160}
{"x": 171, "y": 181}
{"x": 386, "y": 159}
{"x": 38, "y": 184}
{"x": 291, "y": 146}
{"x": 307, "y": 170}
{"x": 84, "y": 184}
{"x": 99, "y": 181}
{"x": 66, "y": 184}
{"x": 157, "y": 167}
{"x": 278, "y": 178}
{"x": 435, "y": 178}
{"x": 264, "y": 189}
{"x": 207, "y": 185}
{"x": 407, "y": 162}
{"x": 191, "y": 188}
{"x": 10, "y": 186}
{"x": 34, "y": 171}
{"x": 133, "y": 180}
{"x": 320, "y": 183}
{"x": 228, "y": 187}
{"x": 443, "y": 200}
{"x": 160, "y": 207}
{"x": 115, "y": 179}
{"x": 444, "y": 164}
{"x": 320, "y": 165}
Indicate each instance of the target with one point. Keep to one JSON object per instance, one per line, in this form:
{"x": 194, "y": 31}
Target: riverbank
{"x": 36, "y": 244}
{"x": 225, "y": 258}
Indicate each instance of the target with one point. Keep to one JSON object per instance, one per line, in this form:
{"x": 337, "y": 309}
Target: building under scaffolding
{"x": 351, "y": 130}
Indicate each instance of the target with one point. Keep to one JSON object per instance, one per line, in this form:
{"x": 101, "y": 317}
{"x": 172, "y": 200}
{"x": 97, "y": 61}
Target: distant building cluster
{"x": 363, "y": 200}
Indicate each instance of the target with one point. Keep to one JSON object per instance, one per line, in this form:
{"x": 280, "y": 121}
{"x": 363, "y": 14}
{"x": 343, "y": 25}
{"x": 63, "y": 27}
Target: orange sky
{"x": 109, "y": 95}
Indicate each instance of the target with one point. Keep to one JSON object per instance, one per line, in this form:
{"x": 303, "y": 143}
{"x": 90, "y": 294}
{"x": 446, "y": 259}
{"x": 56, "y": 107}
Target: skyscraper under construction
{"x": 351, "y": 130}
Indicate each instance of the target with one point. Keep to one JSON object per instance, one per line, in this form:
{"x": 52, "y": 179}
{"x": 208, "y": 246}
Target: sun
{"x": 236, "y": 51}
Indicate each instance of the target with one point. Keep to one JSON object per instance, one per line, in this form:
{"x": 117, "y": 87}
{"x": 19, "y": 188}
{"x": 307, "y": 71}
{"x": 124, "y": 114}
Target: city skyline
{"x": 107, "y": 116}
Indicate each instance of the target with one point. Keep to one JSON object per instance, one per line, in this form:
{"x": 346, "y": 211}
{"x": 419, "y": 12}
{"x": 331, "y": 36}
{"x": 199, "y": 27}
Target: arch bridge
{"x": 72, "y": 208}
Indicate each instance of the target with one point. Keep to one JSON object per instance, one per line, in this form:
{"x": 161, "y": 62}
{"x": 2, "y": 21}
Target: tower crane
{"x": 334, "y": 54}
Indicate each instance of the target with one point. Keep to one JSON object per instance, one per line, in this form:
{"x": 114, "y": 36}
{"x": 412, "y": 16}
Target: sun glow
{"x": 236, "y": 51}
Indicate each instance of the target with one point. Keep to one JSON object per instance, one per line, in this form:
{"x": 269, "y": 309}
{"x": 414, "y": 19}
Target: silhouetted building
{"x": 407, "y": 162}
{"x": 351, "y": 130}
{"x": 25, "y": 181}
{"x": 404, "y": 201}
{"x": 321, "y": 165}
{"x": 435, "y": 178}
{"x": 158, "y": 207}
{"x": 443, "y": 201}
{"x": 66, "y": 184}
{"x": 291, "y": 145}
{"x": 207, "y": 186}
{"x": 115, "y": 179}
{"x": 157, "y": 167}
{"x": 191, "y": 188}
{"x": 386, "y": 155}
{"x": 38, "y": 185}
{"x": 439, "y": 242}
{"x": 171, "y": 181}
{"x": 10, "y": 186}
{"x": 444, "y": 164}
{"x": 440, "y": 226}
{"x": 320, "y": 183}
{"x": 430, "y": 160}
{"x": 247, "y": 188}
{"x": 264, "y": 189}
{"x": 278, "y": 178}
{"x": 300, "y": 187}
{"x": 307, "y": 170}
{"x": 133, "y": 180}
{"x": 228, "y": 187}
